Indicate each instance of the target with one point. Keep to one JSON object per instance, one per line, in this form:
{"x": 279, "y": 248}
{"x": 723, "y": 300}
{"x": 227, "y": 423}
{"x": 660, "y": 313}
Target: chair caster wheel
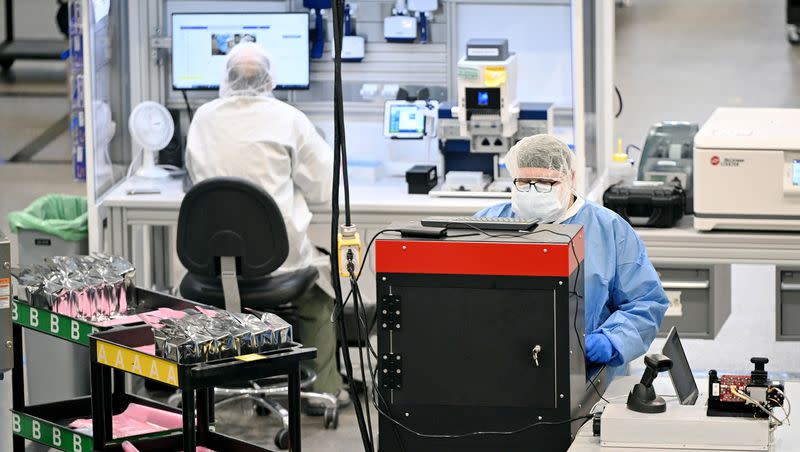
{"x": 261, "y": 411}
{"x": 331, "y": 418}
{"x": 282, "y": 439}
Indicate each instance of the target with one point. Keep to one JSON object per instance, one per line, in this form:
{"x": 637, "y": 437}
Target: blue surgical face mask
{"x": 546, "y": 207}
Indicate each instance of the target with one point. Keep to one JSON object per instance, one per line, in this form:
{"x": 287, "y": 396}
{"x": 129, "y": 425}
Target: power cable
{"x": 340, "y": 164}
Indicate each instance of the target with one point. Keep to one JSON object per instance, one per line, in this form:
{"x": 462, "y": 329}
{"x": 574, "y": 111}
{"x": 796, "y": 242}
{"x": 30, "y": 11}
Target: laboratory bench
{"x": 787, "y": 437}
{"x": 131, "y": 217}
{"x": 694, "y": 266}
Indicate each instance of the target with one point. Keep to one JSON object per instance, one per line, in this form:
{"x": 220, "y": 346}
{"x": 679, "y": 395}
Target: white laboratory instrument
{"x": 487, "y": 92}
{"x": 400, "y": 26}
{"x": 353, "y": 46}
{"x": 747, "y": 170}
{"x": 485, "y": 122}
{"x": 466, "y": 181}
{"x": 353, "y": 49}
{"x": 424, "y": 10}
{"x": 684, "y": 423}
{"x": 681, "y": 427}
{"x": 151, "y": 128}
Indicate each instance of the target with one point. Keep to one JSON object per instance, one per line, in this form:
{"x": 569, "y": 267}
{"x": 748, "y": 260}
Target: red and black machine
{"x": 480, "y": 341}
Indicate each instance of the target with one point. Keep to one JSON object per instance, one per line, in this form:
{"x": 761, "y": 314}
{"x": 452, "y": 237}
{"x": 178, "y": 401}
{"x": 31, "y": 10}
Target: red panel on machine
{"x": 726, "y": 381}
{"x": 479, "y": 258}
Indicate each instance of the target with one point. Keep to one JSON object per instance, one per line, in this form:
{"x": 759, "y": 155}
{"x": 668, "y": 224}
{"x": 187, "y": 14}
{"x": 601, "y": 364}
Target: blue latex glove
{"x": 598, "y": 348}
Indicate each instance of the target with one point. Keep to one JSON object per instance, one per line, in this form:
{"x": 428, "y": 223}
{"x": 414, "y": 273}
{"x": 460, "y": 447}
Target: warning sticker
{"x": 495, "y": 76}
{"x": 5, "y": 293}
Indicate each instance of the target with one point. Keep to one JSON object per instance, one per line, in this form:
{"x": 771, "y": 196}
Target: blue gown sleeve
{"x": 496, "y": 211}
{"x": 638, "y": 301}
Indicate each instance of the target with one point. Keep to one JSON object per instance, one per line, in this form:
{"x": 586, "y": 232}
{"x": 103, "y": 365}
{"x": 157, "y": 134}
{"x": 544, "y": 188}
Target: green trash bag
{"x": 63, "y": 216}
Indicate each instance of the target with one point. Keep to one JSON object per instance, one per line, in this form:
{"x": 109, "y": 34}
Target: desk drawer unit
{"x": 788, "y": 303}
{"x": 700, "y": 298}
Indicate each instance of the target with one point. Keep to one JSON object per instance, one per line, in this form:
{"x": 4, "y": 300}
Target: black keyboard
{"x": 481, "y": 223}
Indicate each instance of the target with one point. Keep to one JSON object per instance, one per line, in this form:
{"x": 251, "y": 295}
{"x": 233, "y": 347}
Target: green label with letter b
{"x": 51, "y": 323}
{"x": 55, "y": 436}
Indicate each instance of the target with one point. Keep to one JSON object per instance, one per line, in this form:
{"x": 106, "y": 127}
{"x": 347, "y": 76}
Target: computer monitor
{"x": 403, "y": 119}
{"x": 681, "y": 373}
{"x": 201, "y": 41}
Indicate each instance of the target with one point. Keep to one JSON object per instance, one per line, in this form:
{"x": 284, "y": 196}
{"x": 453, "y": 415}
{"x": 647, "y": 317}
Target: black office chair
{"x": 231, "y": 237}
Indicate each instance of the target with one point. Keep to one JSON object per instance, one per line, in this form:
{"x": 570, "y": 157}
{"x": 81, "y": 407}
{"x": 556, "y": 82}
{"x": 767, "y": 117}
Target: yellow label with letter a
{"x": 141, "y": 364}
{"x": 494, "y": 76}
{"x": 250, "y": 357}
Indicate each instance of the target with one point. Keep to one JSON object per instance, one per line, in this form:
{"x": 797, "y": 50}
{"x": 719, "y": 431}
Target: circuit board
{"x": 725, "y": 384}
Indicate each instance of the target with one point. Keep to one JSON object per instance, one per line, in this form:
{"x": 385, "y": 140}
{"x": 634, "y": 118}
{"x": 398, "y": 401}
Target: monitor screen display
{"x": 796, "y": 172}
{"x": 483, "y": 98}
{"x": 406, "y": 119}
{"x": 403, "y": 119}
{"x": 200, "y": 43}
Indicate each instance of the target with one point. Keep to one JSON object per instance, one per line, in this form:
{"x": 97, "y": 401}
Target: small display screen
{"x": 796, "y": 172}
{"x": 406, "y": 119}
{"x": 483, "y": 98}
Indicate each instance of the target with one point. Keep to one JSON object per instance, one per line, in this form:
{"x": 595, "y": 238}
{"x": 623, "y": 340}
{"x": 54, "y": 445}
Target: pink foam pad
{"x": 166, "y": 419}
{"x": 152, "y": 318}
{"x": 149, "y": 349}
{"x": 137, "y": 420}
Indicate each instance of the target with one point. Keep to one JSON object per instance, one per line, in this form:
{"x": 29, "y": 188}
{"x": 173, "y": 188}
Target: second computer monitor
{"x": 201, "y": 42}
{"x": 403, "y": 119}
{"x": 681, "y": 373}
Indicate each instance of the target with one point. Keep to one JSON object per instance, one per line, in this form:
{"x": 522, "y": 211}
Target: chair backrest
{"x": 228, "y": 216}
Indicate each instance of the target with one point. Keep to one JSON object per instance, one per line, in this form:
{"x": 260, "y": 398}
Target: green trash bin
{"x": 53, "y": 225}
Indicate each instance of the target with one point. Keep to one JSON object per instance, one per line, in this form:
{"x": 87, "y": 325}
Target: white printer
{"x": 747, "y": 170}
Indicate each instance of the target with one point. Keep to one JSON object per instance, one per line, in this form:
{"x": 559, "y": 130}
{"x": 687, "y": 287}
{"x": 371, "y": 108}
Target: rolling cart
{"x": 47, "y": 423}
{"x": 131, "y": 350}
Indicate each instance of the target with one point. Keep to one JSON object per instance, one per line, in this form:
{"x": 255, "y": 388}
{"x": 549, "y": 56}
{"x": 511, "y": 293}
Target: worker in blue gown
{"x": 623, "y": 298}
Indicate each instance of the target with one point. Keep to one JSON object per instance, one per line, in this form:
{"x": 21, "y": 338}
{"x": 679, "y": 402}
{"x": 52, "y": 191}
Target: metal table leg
{"x": 102, "y": 431}
{"x": 17, "y": 383}
{"x": 203, "y": 418}
{"x": 211, "y": 413}
{"x": 188, "y": 406}
{"x": 294, "y": 408}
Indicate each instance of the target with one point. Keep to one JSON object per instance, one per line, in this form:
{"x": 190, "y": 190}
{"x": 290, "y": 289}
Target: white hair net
{"x": 247, "y": 72}
{"x": 541, "y": 152}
